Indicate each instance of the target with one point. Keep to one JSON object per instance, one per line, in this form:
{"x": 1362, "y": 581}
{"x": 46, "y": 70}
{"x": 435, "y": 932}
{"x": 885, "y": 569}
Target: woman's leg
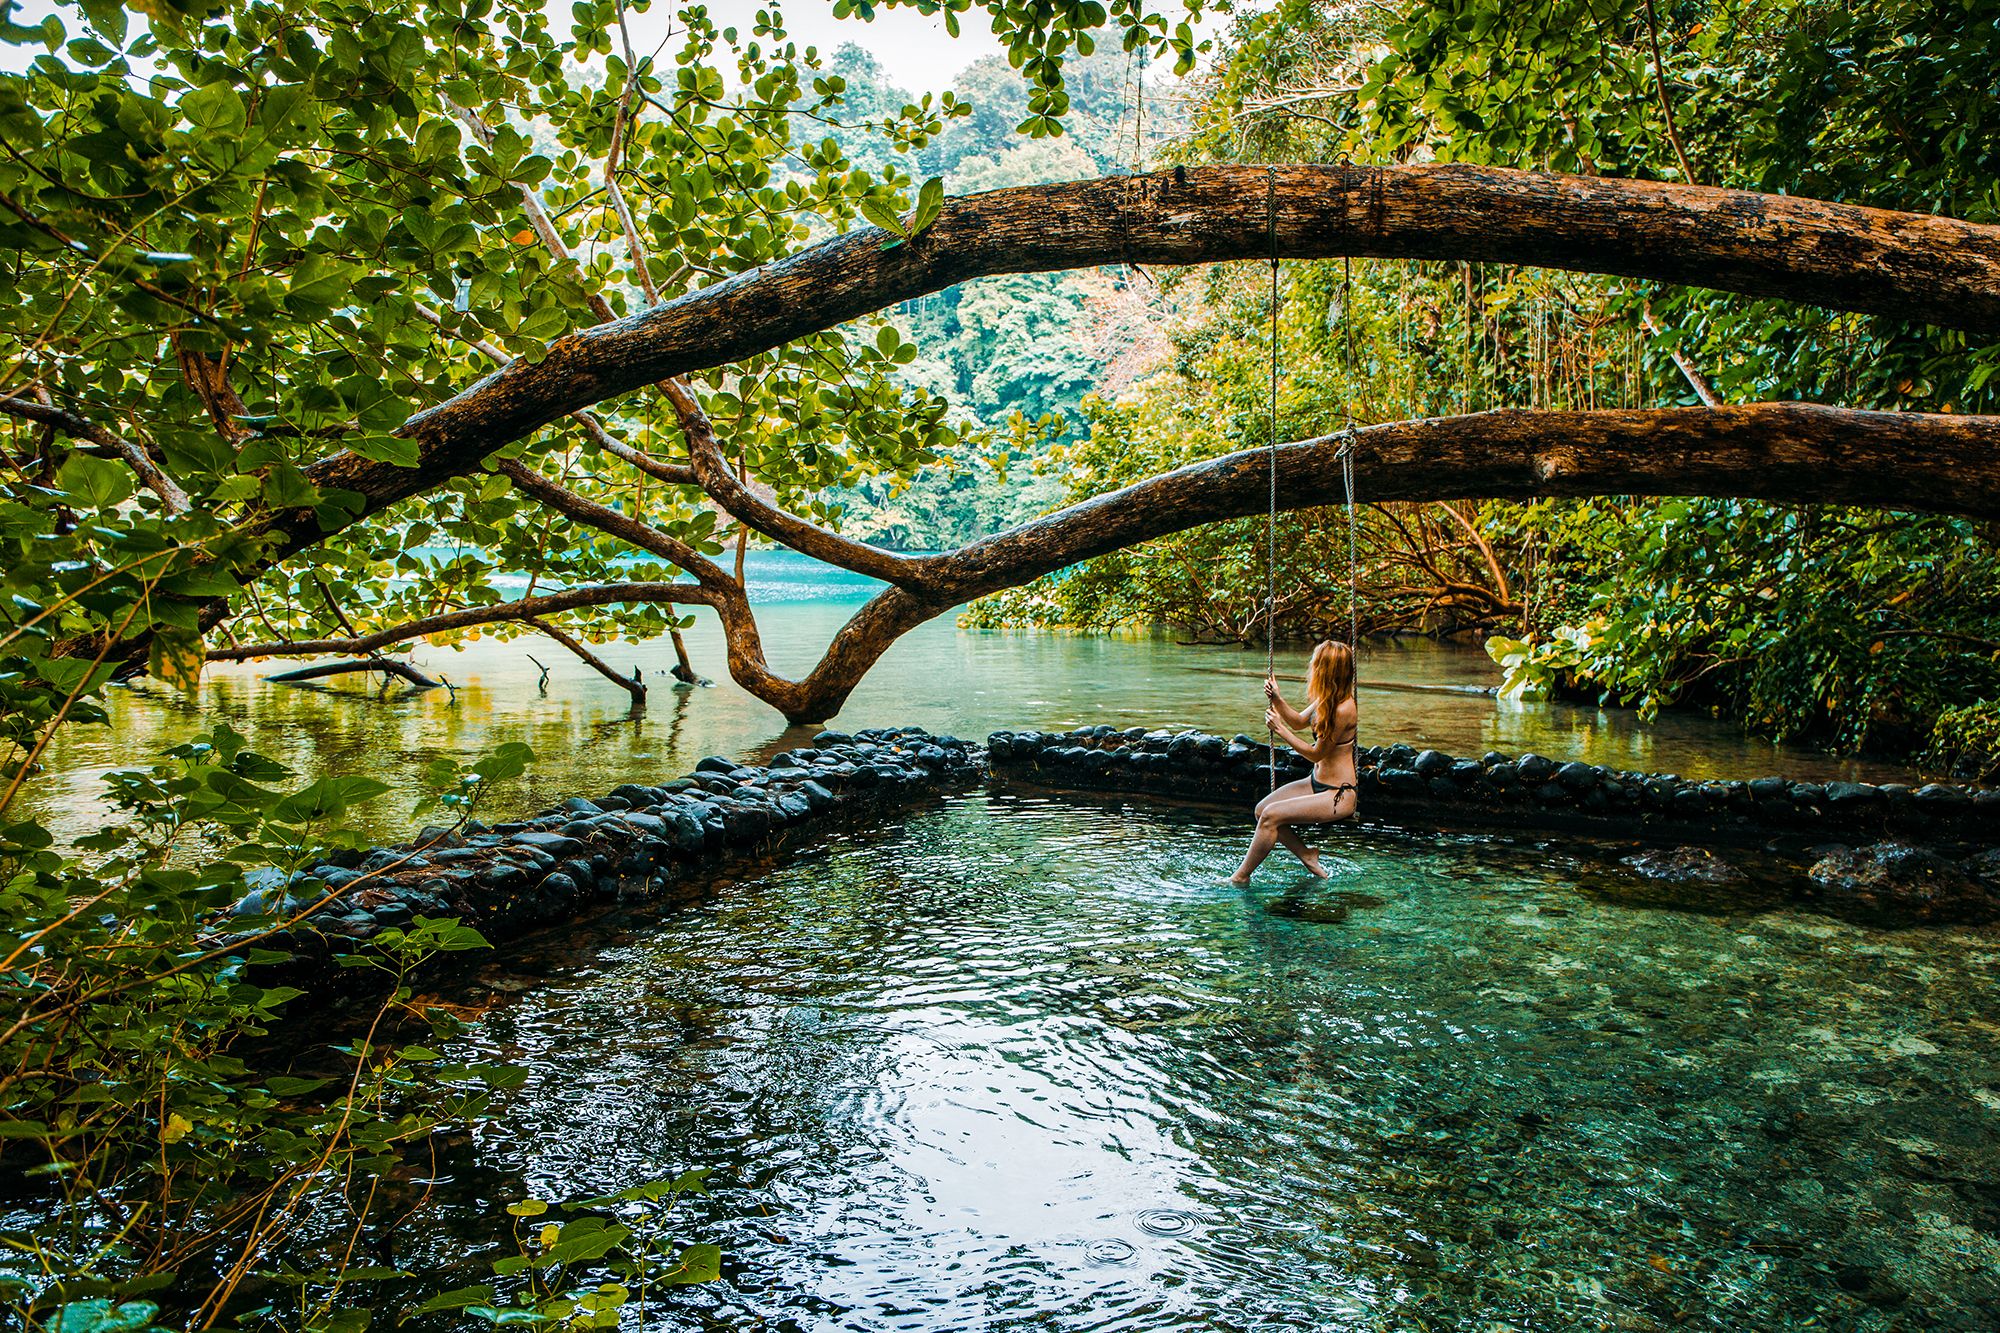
{"x": 1275, "y": 818}
{"x": 1266, "y": 835}
{"x": 1297, "y": 787}
{"x": 1261, "y": 842}
{"x": 1289, "y": 839}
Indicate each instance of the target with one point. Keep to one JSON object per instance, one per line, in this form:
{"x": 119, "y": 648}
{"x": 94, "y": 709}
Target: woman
{"x": 1329, "y": 792}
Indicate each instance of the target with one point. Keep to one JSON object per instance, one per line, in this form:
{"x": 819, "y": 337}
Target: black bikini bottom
{"x": 1319, "y": 786}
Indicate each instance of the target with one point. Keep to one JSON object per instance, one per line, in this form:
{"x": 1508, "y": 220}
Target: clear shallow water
{"x": 1020, "y": 1063}
{"x": 965, "y": 682}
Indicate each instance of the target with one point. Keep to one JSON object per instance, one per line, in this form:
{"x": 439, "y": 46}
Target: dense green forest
{"x": 326, "y": 316}
{"x": 1015, "y": 355}
{"x": 1846, "y": 628}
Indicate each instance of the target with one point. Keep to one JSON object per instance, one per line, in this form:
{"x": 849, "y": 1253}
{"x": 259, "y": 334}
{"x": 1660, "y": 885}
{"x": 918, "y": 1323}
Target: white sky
{"x": 916, "y": 52}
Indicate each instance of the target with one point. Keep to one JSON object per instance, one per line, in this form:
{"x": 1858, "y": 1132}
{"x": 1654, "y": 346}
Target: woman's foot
{"x": 1310, "y": 856}
{"x": 1239, "y": 879}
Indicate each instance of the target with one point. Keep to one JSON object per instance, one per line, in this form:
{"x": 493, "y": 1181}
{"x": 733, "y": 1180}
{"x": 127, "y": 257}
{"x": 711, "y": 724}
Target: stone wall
{"x": 634, "y": 842}
{"x": 1402, "y": 784}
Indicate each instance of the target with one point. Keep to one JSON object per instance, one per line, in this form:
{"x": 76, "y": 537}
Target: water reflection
{"x": 959, "y": 681}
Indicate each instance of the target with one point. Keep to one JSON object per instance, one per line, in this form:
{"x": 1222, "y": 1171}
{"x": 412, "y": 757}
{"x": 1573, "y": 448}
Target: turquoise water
{"x": 1031, "y": 1064}
{"x": 967, "y": 682}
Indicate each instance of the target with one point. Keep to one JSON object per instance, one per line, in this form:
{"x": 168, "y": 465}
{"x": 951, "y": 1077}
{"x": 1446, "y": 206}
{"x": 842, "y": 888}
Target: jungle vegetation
{"x": 1844, "y": 627}
{"x": 327, "y": 313}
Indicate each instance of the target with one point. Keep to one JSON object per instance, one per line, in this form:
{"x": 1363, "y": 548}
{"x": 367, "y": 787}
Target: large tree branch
{"x": 172, "y": 498}
{"x": 1905, "y": 265}
{"x": 1798, "y": 453}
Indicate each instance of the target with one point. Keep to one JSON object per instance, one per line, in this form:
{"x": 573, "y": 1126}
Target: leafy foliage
{"x": 140, "y": 973}
{"x": 1846, "y": 627}
{"x": 248, "y": 242}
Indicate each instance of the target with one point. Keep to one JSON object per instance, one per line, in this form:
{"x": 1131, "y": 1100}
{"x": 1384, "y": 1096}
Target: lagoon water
{"x": 965, "y": 682}
{"x": 1014, "y": 1062}
{"x": 1030, "y": 1063}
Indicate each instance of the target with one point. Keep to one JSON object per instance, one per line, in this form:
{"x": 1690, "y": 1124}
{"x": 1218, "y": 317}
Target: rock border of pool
{"x": 633, "y": 844}
{"x": 638, "y": 842}
{"x": 1550, "y": 792}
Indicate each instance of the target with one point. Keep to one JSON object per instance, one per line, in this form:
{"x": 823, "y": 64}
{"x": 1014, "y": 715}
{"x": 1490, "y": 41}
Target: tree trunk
{"x": 1904, "y": 265}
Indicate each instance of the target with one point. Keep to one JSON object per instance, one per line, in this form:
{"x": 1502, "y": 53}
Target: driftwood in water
{"x": 385, "y": 665}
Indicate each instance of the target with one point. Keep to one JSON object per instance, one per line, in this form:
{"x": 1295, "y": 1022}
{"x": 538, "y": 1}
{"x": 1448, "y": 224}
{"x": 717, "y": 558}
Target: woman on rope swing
{"x": 1329, "y": 793}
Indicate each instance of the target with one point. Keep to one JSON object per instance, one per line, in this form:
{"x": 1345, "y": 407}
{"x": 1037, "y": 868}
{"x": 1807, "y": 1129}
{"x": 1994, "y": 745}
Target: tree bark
{"x": 1793, "y": 453}
{"x": 1904, "y": 265}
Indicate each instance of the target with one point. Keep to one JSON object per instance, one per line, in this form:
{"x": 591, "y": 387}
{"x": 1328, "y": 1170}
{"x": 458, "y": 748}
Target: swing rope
{"x": 1347, "y": 465}
{"x": 1271, "y": 519}
{"x": 1346, "y": 456}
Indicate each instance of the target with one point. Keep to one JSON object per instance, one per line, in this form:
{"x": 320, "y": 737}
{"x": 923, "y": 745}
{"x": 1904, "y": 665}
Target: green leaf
{"x": 394, "y": 449}
{"x": 102, "y": 1316}
{"x": 884, "y": 217}
{"x": 457, "y": 1299}
{"x": 214, "y": 110}
{"x": 95, "y": 482}
{"x": 176, "y": 658}
{"x": 697, "y": 1263}
{"x": 544, "y": 324}
{"x": 326, "y": 799}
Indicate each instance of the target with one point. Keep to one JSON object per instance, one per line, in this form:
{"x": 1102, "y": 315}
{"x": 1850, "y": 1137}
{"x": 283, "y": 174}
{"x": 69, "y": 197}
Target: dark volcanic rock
{"x": 1577, "y": 777}
{"x": 1685, "y": 865}
{"x": 1897, "y": 882}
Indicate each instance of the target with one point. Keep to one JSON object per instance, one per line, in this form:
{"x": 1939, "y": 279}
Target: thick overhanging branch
{"x": 1904, "y": 265}
{"x": 1793, "y": 453}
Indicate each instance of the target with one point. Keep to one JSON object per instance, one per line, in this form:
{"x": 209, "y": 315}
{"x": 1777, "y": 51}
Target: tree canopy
{"x": 327, "y": 314}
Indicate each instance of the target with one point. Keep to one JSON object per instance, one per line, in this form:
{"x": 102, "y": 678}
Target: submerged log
{"x": 387, "y": 666}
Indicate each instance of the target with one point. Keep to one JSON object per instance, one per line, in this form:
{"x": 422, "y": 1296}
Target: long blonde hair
{"x": 1329, "y": 683}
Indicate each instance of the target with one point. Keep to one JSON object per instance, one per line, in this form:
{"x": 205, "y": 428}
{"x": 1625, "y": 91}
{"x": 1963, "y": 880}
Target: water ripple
{"x": 1025, "y": 1062}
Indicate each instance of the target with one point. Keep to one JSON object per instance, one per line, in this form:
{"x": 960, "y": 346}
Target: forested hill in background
{"x": 1016, "y": 354}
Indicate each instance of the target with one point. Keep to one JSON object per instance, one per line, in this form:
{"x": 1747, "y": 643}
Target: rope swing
{"x": 1346, "y": 456}
{"x": 1271, "y": 520}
